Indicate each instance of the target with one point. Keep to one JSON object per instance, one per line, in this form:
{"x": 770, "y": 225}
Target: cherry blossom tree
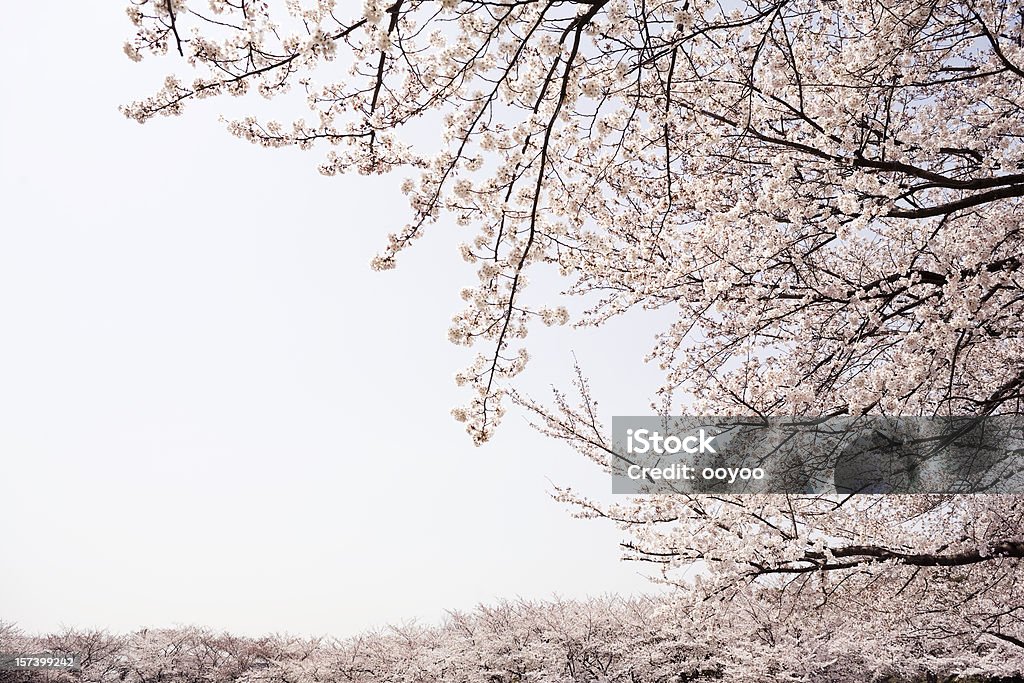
{"x": 608, "y": 640}
{"x": 824, "y": 194}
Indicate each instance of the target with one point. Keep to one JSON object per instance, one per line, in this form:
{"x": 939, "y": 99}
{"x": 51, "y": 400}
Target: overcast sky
{"x": 213, "y": 412}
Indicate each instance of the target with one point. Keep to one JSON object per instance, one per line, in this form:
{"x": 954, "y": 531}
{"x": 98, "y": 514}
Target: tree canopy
{"x": 824, "y": 194}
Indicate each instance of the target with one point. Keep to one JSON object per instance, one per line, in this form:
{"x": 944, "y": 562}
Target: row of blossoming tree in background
{"x": 608, "y": 640}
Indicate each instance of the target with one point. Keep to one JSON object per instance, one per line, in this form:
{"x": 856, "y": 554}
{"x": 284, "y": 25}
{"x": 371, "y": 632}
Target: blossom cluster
{"x": 612, "y": 640}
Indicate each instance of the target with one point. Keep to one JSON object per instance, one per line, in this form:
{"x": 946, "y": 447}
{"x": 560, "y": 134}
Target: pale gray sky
{"x": 213, "y": 412}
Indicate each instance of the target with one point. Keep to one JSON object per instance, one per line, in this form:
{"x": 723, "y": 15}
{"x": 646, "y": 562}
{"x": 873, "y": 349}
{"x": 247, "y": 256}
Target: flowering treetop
{"x": 826, "y": 194}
